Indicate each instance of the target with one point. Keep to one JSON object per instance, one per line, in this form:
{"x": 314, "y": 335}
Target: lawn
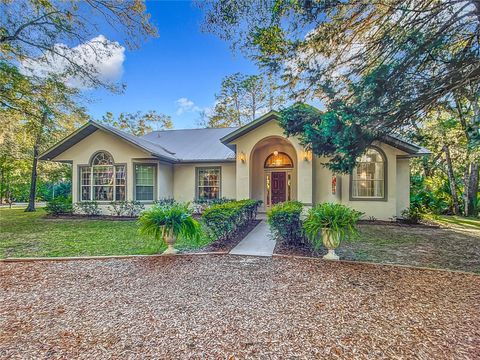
{"x": 32, "y": 235}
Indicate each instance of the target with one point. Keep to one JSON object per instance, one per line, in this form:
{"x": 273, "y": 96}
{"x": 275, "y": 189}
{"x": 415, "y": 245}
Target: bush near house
{"x": 89, "y": 208}
{"x": 223, "y": 220}
{"x": 285, "y": 222}
{"x": 126, "y": 208}
{"x": 59, "y": 206}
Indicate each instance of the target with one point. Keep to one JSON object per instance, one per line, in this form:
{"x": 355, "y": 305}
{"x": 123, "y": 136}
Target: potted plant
{"x": 167, "y": 223}
{"x": 329, "y": 224}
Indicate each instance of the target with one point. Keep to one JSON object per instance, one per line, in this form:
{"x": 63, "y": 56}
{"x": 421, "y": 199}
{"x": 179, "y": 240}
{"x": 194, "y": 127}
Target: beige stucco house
{"x": 254, "y": 161}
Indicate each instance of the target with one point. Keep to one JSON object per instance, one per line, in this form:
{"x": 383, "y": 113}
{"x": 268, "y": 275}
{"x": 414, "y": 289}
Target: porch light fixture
{"x": 242, "y": 157}
{"x": 307, "y": 155}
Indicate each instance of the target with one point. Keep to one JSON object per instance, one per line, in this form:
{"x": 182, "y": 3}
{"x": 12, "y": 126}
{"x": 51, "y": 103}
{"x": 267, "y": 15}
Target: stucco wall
{"x": 184, "y": 180}
{"x": 121, "y": 151}
{"x": 165, "y": 180}
{"x": 403, "y": 185}
{"x": 246, "y": 144}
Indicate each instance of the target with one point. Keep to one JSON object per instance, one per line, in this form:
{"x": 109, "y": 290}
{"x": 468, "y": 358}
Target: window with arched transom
{"x": 368, "y": 179}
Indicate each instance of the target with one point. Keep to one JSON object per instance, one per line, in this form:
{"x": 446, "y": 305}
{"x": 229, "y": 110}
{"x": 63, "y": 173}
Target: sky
{"x": 176, "y": 74}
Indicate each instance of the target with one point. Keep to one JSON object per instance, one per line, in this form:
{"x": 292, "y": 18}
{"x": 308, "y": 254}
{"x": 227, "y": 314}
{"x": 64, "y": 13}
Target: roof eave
{"x": 250, "y": 126}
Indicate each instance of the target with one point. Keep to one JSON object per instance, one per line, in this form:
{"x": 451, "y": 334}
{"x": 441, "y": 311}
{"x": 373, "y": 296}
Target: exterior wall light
{"x": 307, "y": 155}
{"x": 242, "y": 157}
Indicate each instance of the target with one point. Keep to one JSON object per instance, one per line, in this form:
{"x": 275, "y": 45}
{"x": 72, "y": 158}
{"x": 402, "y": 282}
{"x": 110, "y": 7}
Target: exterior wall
{"x": 403, "y": 185}
{"x": 165, "y": 181}
{"x": 184, "y": 176}
{"x": 247, "y": 143}
{"x": 398, "y": 185}
{"x": 122, "y": 152}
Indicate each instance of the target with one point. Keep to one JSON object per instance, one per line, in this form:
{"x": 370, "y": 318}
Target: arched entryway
{"x": 273, "y": 171}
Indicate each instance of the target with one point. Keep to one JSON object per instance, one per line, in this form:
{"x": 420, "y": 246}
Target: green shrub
{"x": 413, "y": 214}
{"x": 89, "y": 208}
{"x": 337, "y": 218}
{"x": 165, "y": 202}
{"x": 284, "y": 220}
{"x": 59, "y": 206}
{"x": 126, "y": 208}
{"x": 223, "y": 220}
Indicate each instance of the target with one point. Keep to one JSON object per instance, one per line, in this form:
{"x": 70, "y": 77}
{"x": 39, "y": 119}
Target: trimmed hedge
{"x": 284, "y": 220}
{"x": 223, "y": 220}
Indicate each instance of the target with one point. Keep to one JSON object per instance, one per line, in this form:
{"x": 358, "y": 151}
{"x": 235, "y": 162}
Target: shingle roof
{"x": 194, "y": 144}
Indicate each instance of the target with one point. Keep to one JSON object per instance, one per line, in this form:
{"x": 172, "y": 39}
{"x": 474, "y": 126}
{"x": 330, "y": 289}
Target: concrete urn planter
{"x": 331, "y": 240}
{"x": 170, "y": 240}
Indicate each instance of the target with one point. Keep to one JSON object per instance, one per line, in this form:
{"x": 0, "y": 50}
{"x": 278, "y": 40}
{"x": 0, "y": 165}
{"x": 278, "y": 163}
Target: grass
{"x": 455, "y": 245}
{"x": 32, "y": 235}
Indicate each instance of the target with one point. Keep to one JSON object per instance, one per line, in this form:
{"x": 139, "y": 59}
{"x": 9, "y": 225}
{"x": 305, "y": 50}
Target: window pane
{"x": 144, "y": 182}
{"x": 120, "y": 193}
{"x": 120, "y": 175}
{"x": 102, "y": 158}
{"x": 85, "y": 193}
{"x": 103, "y": 175}
{"x": 85, "y": 177}
{"x": 103, "y": 193}
{"x": 208, "y": 183}
{"x": 144, "y": 192}
{"x": 368, "y": 178}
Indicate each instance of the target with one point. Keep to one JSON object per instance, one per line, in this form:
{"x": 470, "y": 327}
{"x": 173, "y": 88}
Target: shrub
{"x": 200, "y": 204}
{"x": 89, "y": 208}
{"x": 284, "y": 220}
{"x": 223, "y": 220}
{"x": 337, "y": 218}
{"x": 412, "y": 215}
{"x": 126, "y": 208}
{"x": 59, "y": 206}
{"x": 165, "y": 202}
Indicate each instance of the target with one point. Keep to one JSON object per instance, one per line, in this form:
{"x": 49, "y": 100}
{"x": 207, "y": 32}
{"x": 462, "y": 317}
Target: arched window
{"x": 368, "y": 178}
{"x": 278, "y": 160}
{"x": 103, "y": 180}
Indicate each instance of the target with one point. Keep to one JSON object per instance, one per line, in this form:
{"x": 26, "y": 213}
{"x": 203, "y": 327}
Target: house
{"x": 253, "y": 161}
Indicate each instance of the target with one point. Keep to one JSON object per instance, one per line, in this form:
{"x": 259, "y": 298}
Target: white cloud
{"x": 185, "y": 105}
{"x": 103, "y": 58}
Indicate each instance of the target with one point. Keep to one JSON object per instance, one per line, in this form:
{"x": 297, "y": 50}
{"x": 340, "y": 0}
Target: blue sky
{"x": 182, "y": 63}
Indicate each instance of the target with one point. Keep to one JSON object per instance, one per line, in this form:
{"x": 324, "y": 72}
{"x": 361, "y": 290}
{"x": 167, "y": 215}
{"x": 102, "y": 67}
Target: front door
{"x": 279, "y": 186}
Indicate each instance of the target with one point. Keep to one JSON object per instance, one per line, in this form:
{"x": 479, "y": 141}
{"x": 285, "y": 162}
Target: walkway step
{"x": 258, "y": 242}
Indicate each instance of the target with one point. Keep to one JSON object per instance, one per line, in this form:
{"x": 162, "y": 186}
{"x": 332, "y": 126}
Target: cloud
{"x": 103, "y": 58}
{"x": 185, "y": 105}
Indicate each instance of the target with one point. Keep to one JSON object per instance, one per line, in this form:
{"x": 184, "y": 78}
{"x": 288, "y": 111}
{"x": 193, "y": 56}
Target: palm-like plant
{"x": 329, "y": 223}
{"x": 167, "y": 223}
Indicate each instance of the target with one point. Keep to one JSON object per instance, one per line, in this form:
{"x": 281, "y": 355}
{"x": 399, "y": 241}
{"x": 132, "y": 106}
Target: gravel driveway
{"x": 230, "y": 307}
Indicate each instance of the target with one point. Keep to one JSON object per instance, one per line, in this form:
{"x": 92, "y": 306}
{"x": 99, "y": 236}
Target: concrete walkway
{"x": 257, "y": 243}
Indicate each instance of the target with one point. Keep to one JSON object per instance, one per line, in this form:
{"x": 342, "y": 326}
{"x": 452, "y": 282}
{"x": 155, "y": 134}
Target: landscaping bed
{"x": 235, "y": 307}
{"x": 228, "y": 244}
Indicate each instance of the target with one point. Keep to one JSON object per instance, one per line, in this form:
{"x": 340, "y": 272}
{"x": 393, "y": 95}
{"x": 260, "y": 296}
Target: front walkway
{"x": 257, "y": 243}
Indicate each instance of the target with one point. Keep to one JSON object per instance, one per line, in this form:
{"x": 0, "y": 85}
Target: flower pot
{"x": 331, "y": 240}
{"x": 170, "y": 241}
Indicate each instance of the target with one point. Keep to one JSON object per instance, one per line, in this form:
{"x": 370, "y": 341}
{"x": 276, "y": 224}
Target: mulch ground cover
{"x": 221, "y": 307}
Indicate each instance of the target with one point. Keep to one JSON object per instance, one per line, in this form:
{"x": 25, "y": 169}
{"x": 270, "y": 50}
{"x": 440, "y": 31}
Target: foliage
{"x": 336, "y": 218}
{"x": 126, "y": 208}
{"x": 139, "y": 123}
{"x": 284, "y": 220}
{"x": 175, "y": 220}
{"x": 413, "y": 214}
{"x": 223, "y": 220}
{"x": 59, "y": 206}
{"x": 89, "y": 208}
{"x": 165, "y": 202}
{"x": 376, "y": 66}
{"x": 242, "y": 98}
{"x": 200, "y": 204}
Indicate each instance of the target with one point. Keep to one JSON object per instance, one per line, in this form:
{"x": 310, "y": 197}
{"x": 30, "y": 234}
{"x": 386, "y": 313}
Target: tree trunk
{"x": 471, "y": 189}
{"x": 451, "y": 180}
{"x": 33, "y": 182}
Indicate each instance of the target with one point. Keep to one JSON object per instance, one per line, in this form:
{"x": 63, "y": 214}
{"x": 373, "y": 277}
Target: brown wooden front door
{"x": 279, "y": 183}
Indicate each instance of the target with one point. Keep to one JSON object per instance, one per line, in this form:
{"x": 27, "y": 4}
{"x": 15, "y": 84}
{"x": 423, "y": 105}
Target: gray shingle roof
{"x": 194, "y": 144}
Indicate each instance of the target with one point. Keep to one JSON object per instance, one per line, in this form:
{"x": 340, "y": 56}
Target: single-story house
{"x": 253, "y": 161}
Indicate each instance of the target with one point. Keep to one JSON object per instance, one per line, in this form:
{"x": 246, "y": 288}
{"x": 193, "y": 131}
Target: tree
{"x": 35, "y": 57}
{"x": 377, "y": 66}
{"x": 242, "y": 98}
{"x": 139, "y": 123}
